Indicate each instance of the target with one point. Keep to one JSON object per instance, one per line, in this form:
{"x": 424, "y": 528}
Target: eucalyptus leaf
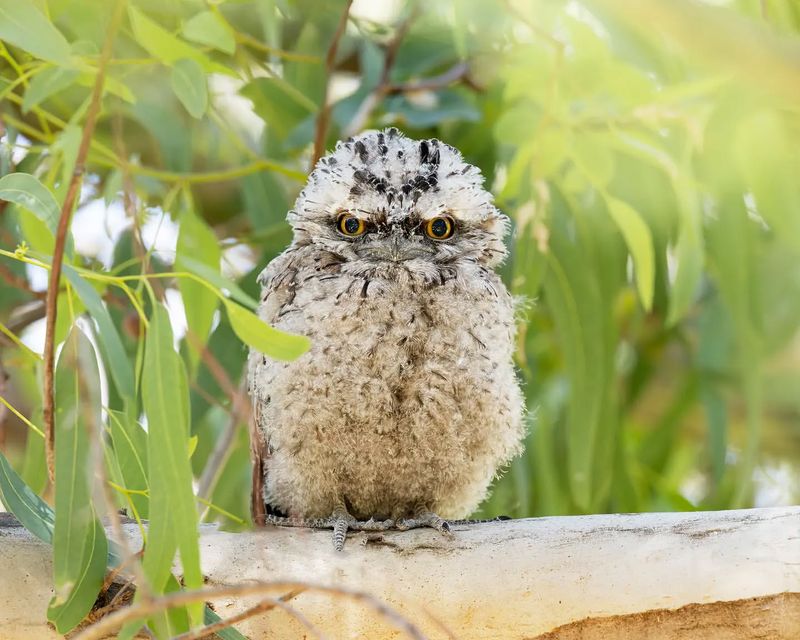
{"x": 110, "y": 341}
{"x": 207, "y": 28}
{"x": 198, "y": 241}
{"x": 25, "y": 26}
{"x": 640, "y": 244}
{"x": 33, "y": 513}
{"x": 258, "y": 334}
{"x": 189, "y": 84}
{"x": 46, "y": 83}
{"x": 173, "y": 515}
{"x": 80, "y": 549}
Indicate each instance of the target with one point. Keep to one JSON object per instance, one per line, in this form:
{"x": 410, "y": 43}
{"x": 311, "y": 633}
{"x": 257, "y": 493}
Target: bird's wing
{"x": 277, "y": 292}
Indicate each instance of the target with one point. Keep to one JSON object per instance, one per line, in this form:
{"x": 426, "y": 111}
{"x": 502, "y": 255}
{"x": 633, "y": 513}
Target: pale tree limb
{"x": 731, "y": 575}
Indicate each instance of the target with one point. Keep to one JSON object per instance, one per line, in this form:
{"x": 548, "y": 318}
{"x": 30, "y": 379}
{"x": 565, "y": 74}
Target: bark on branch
{"x": 719, "y": 575}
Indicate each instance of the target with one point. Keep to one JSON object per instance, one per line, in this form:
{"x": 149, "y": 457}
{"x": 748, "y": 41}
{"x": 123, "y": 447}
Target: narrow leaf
{"x": 640, "y": 244}
{"x": 26, "y": 191}
{"x": 189, "y": 84}
{"x": 80, "y": 549}
{"x": 25, "y": 26}
{"x": 130, "y": 455}
{"x": 110, "y": 342}
{"x": 196, "y": 239}
{"x": 45, "y": 84}
{"x": 229, "y": 633}
{"x": 173, "y": 515}
{"x": 33, "y": 513}
{"x": 214, "y": 277}
{"x": 258, "y": 334}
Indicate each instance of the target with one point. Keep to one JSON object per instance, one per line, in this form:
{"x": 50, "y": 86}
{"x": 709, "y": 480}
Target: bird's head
{"x": 384, "y": 203}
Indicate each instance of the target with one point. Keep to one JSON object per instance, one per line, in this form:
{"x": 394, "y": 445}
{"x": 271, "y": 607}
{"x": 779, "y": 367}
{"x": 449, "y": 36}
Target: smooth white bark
{"x": 513, "y": 579}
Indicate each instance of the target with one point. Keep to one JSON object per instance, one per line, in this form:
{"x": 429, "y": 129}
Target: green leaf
{"x": 768, "y": 160}
{"x": 591, "y": 154}
{"x": 209, "y": 29}
{"x": 110, "y": 342}
{"x": 229, "y": 633}
{"x": 67, "y": 144}
{"x": 161, "y": 44}
{"x": 25, "y": 26}
{"x": 214, "y": 277}
{"x": 33, "y": 513}
{"x": 47, "y": 83}
{"x": 197, "y": 239}
{"x": 640, "y": 244}
{"x": 189, "y": 84}
{"x": 579, "y": 295}
{"x": 688, "y": 252}
{"x": 130, "y": 456}
{"x": 34, "y": 465}
{"x": 110, "y": 85}
{"x": 173, "y": 515}
{"x": 26, "y": 191}
{"x": 258, "y": 334}
{"x": 80, "y": 549}
{"x": 279, "y": 104}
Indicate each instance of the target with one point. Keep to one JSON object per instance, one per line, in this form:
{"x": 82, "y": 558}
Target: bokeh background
{"x": 647, "y": 151}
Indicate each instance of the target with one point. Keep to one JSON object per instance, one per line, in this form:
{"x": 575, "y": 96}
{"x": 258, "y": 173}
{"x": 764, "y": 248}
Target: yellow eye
{"x": 349, "y": 225}
{"x": 440, "y": 228}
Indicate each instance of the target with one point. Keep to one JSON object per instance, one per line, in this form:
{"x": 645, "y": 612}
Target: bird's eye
{"x": 440, "y": 228}
{"x": 349, "y": 225}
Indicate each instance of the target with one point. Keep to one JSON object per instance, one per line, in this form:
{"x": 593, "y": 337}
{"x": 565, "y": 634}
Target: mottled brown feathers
{"x": 408, "y": 396}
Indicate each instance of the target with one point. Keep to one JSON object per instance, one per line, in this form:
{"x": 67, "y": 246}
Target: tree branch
{"x": 324, "y": 117}
{"x": 611, "y": 575}
{"x": 382, "y": 89}
{"x": 266, "y": 605}
{"x": 61, "y": 237}
{"x": 146, "y": 608}
{"x": 457, "y": 72}
{"x": 240, "y": 414}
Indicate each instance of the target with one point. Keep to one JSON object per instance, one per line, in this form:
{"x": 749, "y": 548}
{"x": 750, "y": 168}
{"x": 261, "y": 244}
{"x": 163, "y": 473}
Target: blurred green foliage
{"x": 648, "y": 153}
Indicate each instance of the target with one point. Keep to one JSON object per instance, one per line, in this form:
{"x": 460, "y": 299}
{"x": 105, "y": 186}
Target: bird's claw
{"x": 425, "y": 519}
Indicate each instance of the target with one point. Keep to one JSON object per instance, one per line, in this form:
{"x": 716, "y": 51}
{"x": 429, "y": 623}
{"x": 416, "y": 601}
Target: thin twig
{"x": 214, "y": 366}
{"x": 266, "y": 605}
{"x": 381, "y": 90}
{"x": 147, "y": 608}
{"x": 324, "y": 117}
{"x": 61, "y": 237}
{"x": 457, "y": 72}
{"x": 240, "y": 414}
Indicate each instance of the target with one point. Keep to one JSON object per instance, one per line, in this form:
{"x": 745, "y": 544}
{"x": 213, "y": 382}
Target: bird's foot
{"x": 424, "y": 518}
{"x": 340, "y": 521}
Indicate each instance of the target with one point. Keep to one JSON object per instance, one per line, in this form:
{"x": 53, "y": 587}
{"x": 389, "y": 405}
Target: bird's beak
{"x": 396, "y": 248}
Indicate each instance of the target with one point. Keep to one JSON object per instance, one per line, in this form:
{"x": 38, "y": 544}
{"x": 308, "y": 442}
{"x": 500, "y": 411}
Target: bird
{"x": 407, "y": 404}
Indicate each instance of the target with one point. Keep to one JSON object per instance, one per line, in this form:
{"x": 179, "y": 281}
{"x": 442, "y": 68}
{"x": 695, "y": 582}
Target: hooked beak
{"x": 395, "y": 248}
